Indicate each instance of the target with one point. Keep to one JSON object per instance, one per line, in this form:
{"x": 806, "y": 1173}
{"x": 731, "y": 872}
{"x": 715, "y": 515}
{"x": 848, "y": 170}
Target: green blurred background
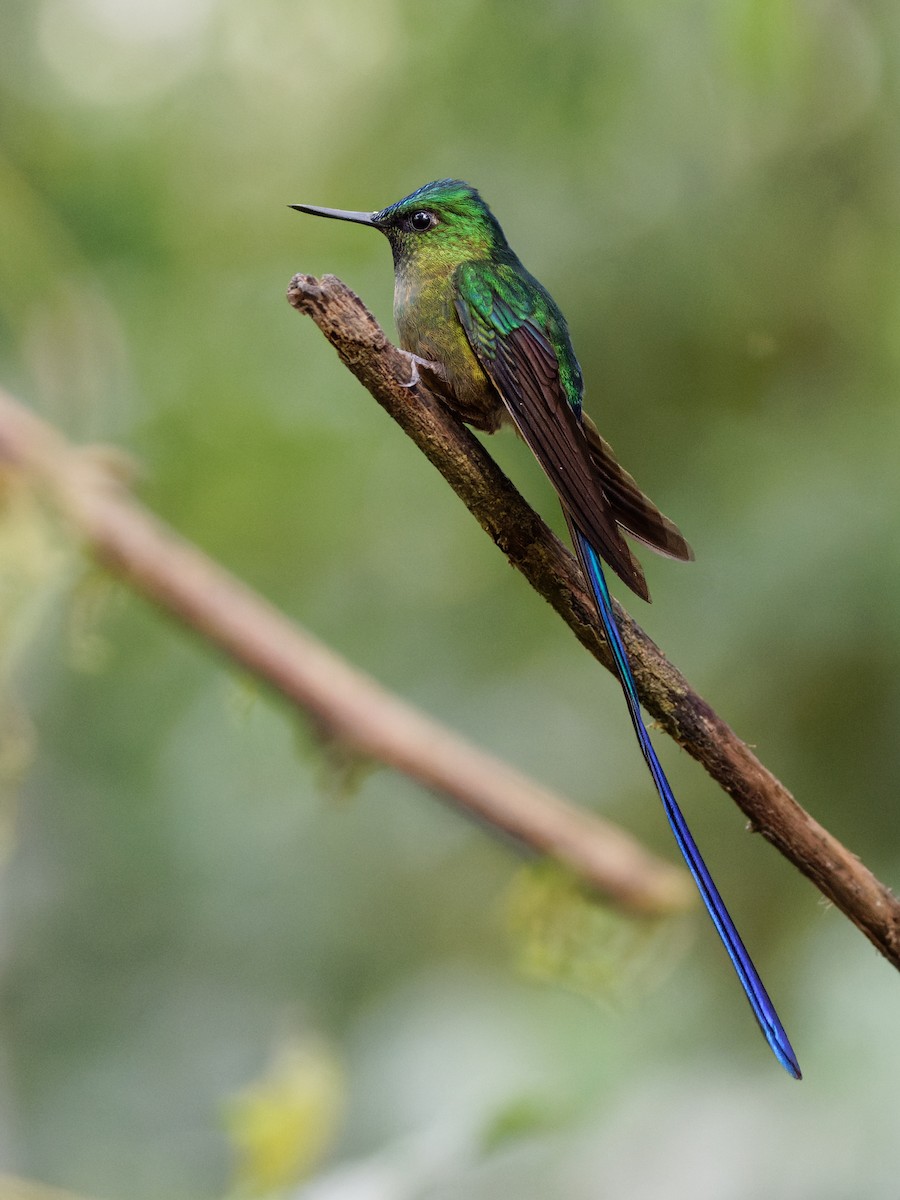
{"x": 195, "y": 907}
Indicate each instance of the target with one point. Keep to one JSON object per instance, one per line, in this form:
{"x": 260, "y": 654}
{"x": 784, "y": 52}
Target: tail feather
{"x": 631, "y": 509}
{"x": 762, "y": 1006}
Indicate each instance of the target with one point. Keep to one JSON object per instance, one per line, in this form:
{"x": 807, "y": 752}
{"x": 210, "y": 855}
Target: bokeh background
{"x": 228, "y": 965}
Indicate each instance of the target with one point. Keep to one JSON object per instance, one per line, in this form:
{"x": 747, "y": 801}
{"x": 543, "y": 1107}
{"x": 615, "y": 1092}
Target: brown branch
{"x": 551, "y": 569}
{"x": 345, "y": 704}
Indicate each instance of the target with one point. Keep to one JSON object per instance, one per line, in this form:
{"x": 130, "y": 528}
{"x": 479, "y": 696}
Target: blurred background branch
{"x": 349, "y": 709}
{"x": 534, "y": 550}
{"x": 14, "y": 1188}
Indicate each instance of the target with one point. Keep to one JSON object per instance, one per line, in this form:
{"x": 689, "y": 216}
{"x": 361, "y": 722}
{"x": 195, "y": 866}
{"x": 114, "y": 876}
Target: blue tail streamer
{"x": 762, "y": 1006}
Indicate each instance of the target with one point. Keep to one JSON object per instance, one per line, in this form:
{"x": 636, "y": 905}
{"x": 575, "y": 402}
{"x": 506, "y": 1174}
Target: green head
{"x": 441, "y": 224}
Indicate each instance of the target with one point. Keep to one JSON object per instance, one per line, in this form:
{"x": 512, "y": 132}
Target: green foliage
{"x": 282, "y": 1125}
{"x": 521, "y": 1118}
{"x": 567, "y": 937}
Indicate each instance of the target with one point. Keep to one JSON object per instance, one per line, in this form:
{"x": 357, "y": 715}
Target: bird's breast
{"x": 428, "y": 326}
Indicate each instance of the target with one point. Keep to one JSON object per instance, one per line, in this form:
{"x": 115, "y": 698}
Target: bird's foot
{"x": 415, "y": 363}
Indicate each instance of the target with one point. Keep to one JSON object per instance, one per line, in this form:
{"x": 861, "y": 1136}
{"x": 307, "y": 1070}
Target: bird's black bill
{"x": 339, "y": 214}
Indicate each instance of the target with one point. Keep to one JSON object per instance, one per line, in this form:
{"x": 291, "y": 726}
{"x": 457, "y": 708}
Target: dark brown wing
{"x": 631, "y": 509}
{"x": 522, "y": 365}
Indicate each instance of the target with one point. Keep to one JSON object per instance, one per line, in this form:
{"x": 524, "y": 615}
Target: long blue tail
{"x": 762, "y": 1006}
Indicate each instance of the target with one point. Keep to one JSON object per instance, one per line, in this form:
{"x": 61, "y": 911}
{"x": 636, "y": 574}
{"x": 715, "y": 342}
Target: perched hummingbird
{"x": 496, "y": 347}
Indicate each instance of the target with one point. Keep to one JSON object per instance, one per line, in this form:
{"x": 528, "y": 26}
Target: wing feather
{"x": 522, "y": 364}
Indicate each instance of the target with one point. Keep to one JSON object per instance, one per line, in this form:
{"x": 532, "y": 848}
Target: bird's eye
{"x": 420, "y": 221}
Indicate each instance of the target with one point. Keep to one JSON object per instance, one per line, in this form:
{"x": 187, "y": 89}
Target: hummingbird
{"x": 496, "y": 348}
